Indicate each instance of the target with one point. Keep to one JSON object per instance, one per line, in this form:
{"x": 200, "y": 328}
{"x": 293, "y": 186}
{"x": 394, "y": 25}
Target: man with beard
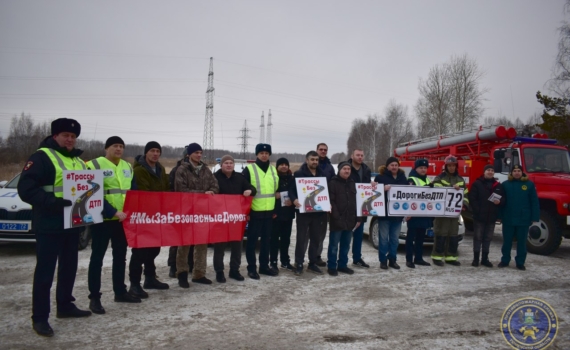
{"x": 360, "y": 173}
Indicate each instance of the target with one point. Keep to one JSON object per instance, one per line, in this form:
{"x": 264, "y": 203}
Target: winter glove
{"x": 431, "y": 184}
{"x": 62, "y": 203}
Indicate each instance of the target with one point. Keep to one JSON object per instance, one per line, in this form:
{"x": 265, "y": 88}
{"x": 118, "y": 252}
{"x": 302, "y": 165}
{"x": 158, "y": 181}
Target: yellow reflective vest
{"x": 116, "y": 180}
{"x": 266, "y": 184}
{"x": 61, "y": 163}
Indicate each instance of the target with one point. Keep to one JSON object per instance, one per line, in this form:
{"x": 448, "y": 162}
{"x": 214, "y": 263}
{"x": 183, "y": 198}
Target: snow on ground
{"x": 424, "y": 308}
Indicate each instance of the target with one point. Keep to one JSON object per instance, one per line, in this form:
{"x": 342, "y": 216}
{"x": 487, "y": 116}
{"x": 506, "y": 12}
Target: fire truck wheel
{"x": 84, "y": 238}
{"x": 373, "y": 236}
{"x": 547, "y": 238}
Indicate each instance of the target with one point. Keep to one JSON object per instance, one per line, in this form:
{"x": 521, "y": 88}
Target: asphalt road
{"x": 424, "y": 308}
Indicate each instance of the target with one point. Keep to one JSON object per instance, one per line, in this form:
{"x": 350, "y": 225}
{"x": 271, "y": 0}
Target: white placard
{"x": 84, "y": 188}
{"x": 284, "y": 198}
{"x": 494, "y": 196}
{"x": 370, "y": 200}
{"x": 313, "y": 194}
{"x": 424, "y": 201}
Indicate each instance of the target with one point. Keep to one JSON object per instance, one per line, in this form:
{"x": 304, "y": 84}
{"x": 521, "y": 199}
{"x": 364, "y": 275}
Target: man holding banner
{"x": 41, "y": 185}
{"x": 446, "y": 229}
{"x": 360, "y": 173}
{"x": 263, "y": 176}
{"x": 118, "y": 179}
{"x": 194, "y": 176}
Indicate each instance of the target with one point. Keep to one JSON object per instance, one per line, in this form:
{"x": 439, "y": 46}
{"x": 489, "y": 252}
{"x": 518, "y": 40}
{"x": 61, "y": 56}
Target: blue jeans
{"x": 336, "y": 238}
{"x": 388, "y": 231}
{"x": 357, "y": 243}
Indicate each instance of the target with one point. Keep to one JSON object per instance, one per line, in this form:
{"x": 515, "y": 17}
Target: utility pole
{"x": 244, "y": 136}
{"x": 269, "y": 127}
{"x": 208, "y": 145}
{"x": 262, "y": 129}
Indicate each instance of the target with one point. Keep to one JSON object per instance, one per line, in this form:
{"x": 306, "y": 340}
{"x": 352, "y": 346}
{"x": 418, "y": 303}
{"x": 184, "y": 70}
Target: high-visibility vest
{"x": 61, "y": 163}
{"x": 266, "y": 184}
{"x": 420, "y": 182}
{"x": 116, "y": 180}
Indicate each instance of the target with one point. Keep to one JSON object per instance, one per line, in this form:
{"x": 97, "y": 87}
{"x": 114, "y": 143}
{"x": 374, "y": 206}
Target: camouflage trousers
{"x": 200, "y": 255}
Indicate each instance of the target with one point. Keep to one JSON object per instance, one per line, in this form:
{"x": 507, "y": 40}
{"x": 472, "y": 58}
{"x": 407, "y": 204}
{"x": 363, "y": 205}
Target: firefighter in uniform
{"x": 446, "y": 229}
{"x": 41, "y": 185}
{"x": 118, "y": 179}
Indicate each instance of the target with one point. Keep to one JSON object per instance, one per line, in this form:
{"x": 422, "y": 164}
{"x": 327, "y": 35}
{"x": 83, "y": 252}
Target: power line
{"x": 209, "y": 118}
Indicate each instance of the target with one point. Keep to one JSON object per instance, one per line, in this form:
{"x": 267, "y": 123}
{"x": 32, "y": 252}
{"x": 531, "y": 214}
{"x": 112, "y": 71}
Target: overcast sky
{"x": 139, "y": 69}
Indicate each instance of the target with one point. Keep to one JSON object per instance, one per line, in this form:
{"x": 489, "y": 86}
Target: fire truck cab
{"x": 545, "y": 163}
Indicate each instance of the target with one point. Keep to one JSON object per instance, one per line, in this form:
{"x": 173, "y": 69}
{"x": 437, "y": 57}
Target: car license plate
{"x": 429, "y": 232}
{"x": 11, "y": 226}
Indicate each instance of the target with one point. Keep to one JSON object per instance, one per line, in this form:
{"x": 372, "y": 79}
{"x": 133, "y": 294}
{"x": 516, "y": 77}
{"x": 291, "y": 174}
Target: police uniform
{"x": 41, "y": 185}
{"x": 117, "y": 180}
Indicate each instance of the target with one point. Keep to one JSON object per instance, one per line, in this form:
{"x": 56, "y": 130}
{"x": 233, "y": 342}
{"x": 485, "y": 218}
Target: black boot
{"x": 475, "y": 259}
{"x": 220, "y": 277}
{"x": 96, "y": 307}
{"x": 485, "y": 260}
{"x": 150, "y": 282}
{"x": 183, "y": 280}
{"x": 438, "y": 262}
{"x": 43, "y": 329}
{"x": 236, "y": 275}
{"x": 172, "y": 272}
{"x": 137, "y": 291}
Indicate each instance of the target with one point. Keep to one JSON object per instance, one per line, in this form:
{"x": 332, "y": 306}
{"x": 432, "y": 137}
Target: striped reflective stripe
{"x": 96, "y": 164}
{"x": 460, "y": 183}
{"x": 60, "y": 161}
{"x": 436, "y": 257}
{"x": 51, "y": 188}
{"x": 450, "y": 258}
{"x": 258, "y": 183}
{"x": 116, "y": 191}
{"x": 437, "y": 185}
{"x": 445, "y": 182}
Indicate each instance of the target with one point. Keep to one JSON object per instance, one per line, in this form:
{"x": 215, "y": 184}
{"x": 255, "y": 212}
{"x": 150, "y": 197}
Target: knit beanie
{"x": 488, "y": 166}
{"x": 392, "y": 160}
{"x": 421, "y": 162}
{"x": 193, "y": 147}
{"x": 262, "y": 147}
{"x": 151, "y": 145}
{"x": 342, "y": 165}
{"x": 113, "y": 140}
{"x": 281, "y": 161}
{"x": 226, "y": 157}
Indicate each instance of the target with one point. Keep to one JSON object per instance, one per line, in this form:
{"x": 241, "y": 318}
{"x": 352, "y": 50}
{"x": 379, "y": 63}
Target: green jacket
{"x": 147, "y": 179}
{"x": 521, "y": 202}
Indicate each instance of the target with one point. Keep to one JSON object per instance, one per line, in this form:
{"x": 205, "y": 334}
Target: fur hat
{"x": 65, "y": 125}
{"x": 113, "y": 140}
{"x": 421, "y": 162}
{"x": 151, "y": 145}
{"x": 262, "y": 147}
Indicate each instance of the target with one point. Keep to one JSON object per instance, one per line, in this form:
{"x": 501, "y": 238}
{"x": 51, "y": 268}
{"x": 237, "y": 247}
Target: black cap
{"x": 262, "y": 147}
{"x": 193, "y": 147}
{"x": 421, "y": 162}
{"x": 392, "y": 160}
{"x": 151, "y": 145}
{"x": 281, "y": 161}
{"x": 113, "y": 140}
{"x": 65, "y": 125}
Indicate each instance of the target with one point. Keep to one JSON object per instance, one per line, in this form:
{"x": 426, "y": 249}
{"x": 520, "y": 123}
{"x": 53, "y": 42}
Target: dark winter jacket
{"x": 385, "y": 177}
{"x": 419, "y": 221}
{"x": 172, "y": 174}
{"x": 366, "y": 177}
{"x": 343, "y": 204}
{"x": 188, "y": 179}
{"x": 326, "y": 168}
{"x": 235, "y": 184}
{"x": 285, "y": 212}
{"x": 483, "y": 209}
{"x": 521, "y": 202}
{"x": 147, "y": 179}
{"x": 304, "y": 172}
{"x": 47, "y": 210}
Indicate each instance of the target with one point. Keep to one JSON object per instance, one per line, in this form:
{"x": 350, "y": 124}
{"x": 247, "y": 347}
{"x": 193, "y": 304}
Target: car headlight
{"x": 461, "y": 219}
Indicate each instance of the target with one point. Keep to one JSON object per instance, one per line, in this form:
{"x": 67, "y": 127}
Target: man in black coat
{"x": 230, "y": 182}
{"x": 485, "y": 213}
{"x": 282, "y": 218}
{"x": 41, "y": 185}
{"x": 359, "y": 173}
{"x": 309, "y": 225}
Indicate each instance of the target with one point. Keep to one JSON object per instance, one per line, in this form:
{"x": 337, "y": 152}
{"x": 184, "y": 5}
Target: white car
{"x": 371, "y": 229}
{"x": 16, "y": 217}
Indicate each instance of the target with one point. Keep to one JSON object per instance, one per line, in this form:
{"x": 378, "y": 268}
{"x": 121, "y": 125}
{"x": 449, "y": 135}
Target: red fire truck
{"x": 544, "y": 162}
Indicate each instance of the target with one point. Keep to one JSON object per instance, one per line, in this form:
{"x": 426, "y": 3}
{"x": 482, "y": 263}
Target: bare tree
{"x": 560, "y": 81}
{"x": 433, "y": 108}
{"x": 467, "y": 95}
{"x": 338, "y": 157}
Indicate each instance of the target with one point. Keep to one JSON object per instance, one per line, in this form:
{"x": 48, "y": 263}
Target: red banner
{"x": 162, "y": 219}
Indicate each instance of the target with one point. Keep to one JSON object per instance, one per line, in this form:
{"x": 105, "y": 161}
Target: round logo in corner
{"x": 529, "y": 323}
{"x": 396, "y": 206}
